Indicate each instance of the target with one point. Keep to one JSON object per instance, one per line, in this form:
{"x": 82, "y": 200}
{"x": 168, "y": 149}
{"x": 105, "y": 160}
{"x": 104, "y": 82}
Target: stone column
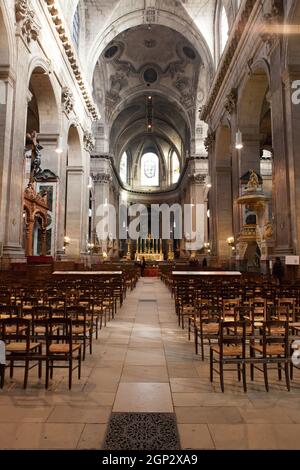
{"x": 7, "y": 83}
{"x": 74, "y": 208}
{"x": 61, "y": 197}
{"x": 102, "y": 177}
{"x": 198, "y": 171}
{"x": 281, "y": 184}
{"x": 293, "y": 145}
{"x": 13, "y": 250}
{"x": 249, "y": 155}
{"x": 221, "y": 197}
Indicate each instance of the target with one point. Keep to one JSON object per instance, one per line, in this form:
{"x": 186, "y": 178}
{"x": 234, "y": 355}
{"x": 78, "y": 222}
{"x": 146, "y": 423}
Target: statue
{"x": 253, "y": 182}
{"x": 36, "y": 157}
{"x": 268, "y": 231}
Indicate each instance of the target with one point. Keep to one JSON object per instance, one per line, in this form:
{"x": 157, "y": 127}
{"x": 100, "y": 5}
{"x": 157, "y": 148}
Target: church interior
{"x": 149, "y": 225}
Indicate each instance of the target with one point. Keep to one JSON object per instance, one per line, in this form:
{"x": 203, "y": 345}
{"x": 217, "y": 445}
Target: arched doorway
{"x": 42, "y": 162}
{"x": 255, "y": 241}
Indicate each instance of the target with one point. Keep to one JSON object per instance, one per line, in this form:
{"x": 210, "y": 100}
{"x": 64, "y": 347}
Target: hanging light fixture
{"x": 150, "y": 113}
{"x": 239, "y": 140}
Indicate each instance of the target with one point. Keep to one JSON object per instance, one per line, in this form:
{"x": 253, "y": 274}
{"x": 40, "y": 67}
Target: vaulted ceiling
{"x": 148, "y": 61}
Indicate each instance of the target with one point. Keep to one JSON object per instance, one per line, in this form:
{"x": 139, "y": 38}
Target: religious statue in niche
{"x": 32, "y": 143}
{"x": 253, "y": 182}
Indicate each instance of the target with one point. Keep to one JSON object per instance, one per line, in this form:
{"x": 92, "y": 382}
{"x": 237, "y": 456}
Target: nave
{"x": 143, "y": 362}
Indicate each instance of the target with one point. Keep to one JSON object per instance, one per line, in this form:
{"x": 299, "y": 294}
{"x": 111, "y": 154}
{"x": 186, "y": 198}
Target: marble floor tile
{"x": 143, "y": 397}
{"x": 195, "y": 436}
{"x": 209, "y": 415}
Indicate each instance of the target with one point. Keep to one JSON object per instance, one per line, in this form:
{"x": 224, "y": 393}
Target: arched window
{"x": 123, "y": 167}
{"x": 149, "y": 170}
{"x": 175, "y": 168}
{"x": 76, "y": 27}
{"x": 224, "y": 29}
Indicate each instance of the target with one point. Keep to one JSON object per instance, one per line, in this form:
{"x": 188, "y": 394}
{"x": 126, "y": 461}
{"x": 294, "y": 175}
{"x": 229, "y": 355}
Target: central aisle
{"x": 143, "y": 362}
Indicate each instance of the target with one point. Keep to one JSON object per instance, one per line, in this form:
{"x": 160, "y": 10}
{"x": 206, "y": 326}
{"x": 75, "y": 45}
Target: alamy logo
{"x": 296, "y": 92}
{"x": 161, "y": 221}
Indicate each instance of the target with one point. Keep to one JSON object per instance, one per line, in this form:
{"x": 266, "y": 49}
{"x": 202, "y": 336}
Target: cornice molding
{"x": 228, "y": 57}
{"x": 71, "y": 54}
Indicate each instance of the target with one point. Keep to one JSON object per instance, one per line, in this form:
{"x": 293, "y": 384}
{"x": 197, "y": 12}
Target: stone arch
{"x": 253, "y": 99}
{"x": 133, "y": 19}
{"x": 42, "y": 88}
{"x": 251, "y": 96}
{"x": 158, "y": 92}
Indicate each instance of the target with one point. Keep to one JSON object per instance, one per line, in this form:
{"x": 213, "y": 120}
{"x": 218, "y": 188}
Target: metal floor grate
{"x": 142, "y": 431}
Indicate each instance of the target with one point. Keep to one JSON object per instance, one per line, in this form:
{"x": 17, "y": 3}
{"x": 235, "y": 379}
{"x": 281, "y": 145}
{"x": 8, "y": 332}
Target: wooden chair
{"x": 208, "y": 327}
{"x": 8, "y": 311}
{"x": 60, "y": 348}
{"x": 272, "y": 347}
{"x": 82, "y": 327}
{"x": 231, "y": 349}
{"x": 16, "y": 333}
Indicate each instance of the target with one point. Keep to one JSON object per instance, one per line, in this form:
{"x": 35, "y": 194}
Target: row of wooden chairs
{"x": 60, "y": 344}
{"x": 271, "y": 348}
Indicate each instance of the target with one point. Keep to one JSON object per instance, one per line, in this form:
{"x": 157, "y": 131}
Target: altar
{"x": 151, "y": 249}
{"x": 149, "y": 256}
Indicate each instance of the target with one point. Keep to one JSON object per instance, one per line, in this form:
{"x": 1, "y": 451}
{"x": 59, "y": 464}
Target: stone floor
{"x": 142, "y": 362}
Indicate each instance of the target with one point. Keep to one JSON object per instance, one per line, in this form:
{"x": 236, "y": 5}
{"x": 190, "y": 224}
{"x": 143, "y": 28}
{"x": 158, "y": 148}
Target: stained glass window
{"x": 175, "y": 168}
{"x": 150, "y": 170}
{"x": 123, "y": 167}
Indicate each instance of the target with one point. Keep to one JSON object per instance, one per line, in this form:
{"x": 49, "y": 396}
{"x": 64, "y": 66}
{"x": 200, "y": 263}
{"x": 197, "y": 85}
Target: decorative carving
{"x": 25, "y": 17}
{"x": 67, "y": 99}
{"x": 118, "y": 81}
{"x": 253, "y": 183}
{"x": 102, "y": 177}
{"x": 33, "y": 145}
{"x": 150, "y": 43}
{"x": 46, "y": 175}
{"x": 231, "y": 101}
{"x": 198, "y": 179}
{"x": 268, "y": 231}
{"x": 150, "y": 15}
{"x": 246, "y": 10}
{"x": 71, "y": 54}
{"x": 32, "y": 195}
{"x": 184, "y": 86}
{"x": 271, "y": 20}
{"x": 88, "y": 141}
{"x": 209, "y": 141}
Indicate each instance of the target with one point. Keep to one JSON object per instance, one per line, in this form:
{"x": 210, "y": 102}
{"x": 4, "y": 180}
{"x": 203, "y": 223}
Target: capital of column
{"x": 102, "y": 177}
